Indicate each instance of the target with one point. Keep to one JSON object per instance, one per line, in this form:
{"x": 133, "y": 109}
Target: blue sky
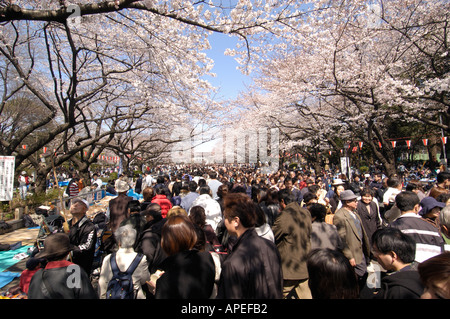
{"x": 229, "y": 80}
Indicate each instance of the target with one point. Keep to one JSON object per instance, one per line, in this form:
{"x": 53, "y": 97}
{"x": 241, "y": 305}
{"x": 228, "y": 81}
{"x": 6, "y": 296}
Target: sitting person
{"x": 52, "y": 282}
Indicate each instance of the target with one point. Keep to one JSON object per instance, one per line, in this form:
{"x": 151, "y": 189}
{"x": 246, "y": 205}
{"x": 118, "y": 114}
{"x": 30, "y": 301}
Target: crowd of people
{"x": 231, "y": 232}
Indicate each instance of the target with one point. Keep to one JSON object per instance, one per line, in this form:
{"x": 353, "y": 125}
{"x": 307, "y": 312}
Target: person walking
{"x": 292, "y": 231}
{"x": 353, "y": 235}
{"x": 186, "y": 273}
{"x": 395, "y": 252}
{"x": 253, "y": 268}
{"x": 429, "y": 241}
{"x": 118, "y": 207}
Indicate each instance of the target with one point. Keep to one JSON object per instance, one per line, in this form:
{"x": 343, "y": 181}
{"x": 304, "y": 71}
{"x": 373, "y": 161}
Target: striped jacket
{"x": 429, "y": 241}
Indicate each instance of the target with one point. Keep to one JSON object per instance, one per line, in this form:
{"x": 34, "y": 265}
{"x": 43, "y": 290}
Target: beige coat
{"x": 354, "y": 246}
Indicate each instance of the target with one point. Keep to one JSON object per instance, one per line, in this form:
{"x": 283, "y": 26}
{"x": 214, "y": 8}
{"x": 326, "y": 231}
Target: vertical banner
{"x": 344, "y": 165}
{"x": 7, "y": 166}
{"x": 120, "y": 166}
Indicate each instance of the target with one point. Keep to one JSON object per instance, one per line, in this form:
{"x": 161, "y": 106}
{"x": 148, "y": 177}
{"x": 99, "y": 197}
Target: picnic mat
{"x": 7, "y": 276}
{"x": 7, "y": 257}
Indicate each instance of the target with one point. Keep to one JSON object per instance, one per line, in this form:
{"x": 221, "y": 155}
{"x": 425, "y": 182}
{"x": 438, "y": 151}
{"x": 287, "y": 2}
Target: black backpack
{"x": 121, "y": 284}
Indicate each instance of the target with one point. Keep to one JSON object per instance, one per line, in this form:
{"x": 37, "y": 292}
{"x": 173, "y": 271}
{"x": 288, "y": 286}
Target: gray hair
{"x": 126, "y": 236}
{"x": 444, "y": 216}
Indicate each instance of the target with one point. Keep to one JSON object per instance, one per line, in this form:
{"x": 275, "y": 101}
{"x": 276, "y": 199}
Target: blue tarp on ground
{"x": 7, "y": 277}
{"x": 136, "y": 196}
{"x": 6, "y": 257}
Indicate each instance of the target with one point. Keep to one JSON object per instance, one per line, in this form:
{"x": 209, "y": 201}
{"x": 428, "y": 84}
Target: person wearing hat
{"x": 118, "y": 207}
{"x": 430, "y": 211}
{"x": 338, "y": 186}
{"x": 60, "y": 279}
{"x": 352, "y": 233}
{"x": 23, "y": 184}
{"x": 82, "y": 234}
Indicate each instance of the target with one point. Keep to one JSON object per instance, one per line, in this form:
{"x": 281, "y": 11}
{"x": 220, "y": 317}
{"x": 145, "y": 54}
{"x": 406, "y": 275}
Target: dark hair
{"x": 271, "y": 197}
{"x": 286, "y": 196}
{"x": 443, "y": 198}
{"x": 197, "y": 216}
{"x": 412, "y": 185}
{"x": 406, "y": 201}
{"x": 313, "y": 188}
{"x": 392, "y": 239}
{"x": 331, "y": 276}
{"x": 260, "y": 215}
{"x": 240, "y": 205}
{"x": 213, "y": 175}
{"x": 436, "y": 270}
{"x": 222, "y": 190}
{"x": 204, "y": 190}
{"x": 318, "y": 211}
{"x": 201, "y": 182}
{"x": 161, "y": 191}
{"x": 134, "y": 206}
{"x": 393, "y": 181}
{"x": 154, "y": 210}
{"x": 367, "y": 191}
{"x": 193, "y": 186}
{"x": 308, "y": 197}
{"x": 442, "y": 177}
{"x": 178, "y": 234}
{"x": 160, "y": 179}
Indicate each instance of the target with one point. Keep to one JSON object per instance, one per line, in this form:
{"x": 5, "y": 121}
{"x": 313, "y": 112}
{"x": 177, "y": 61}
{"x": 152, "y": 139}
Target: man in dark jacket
{"x": 429, "y": 241}
{"x": 395, "y": 251}
{"x": 253, "y": 268}
{"x": 292, "y": 230}
{"x": 149, "y": 242}
{"x": 82, "y": 235}
{"x": 60, "y": 279}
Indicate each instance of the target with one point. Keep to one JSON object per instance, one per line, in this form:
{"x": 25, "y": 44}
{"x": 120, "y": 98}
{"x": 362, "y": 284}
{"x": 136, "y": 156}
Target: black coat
{"x": 252, "y": 270}
{"x": 403, "y": 284}
{"x": 149, "y": 244}
{"x": 83, "y": 235}
{"x": 187, "y": 275}
{"x": 58, "y": 275}
{"x": 371, "y": 222}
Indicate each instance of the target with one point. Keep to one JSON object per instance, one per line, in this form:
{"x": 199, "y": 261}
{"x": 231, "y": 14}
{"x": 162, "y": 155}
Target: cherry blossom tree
{"x": 346, "y": 69}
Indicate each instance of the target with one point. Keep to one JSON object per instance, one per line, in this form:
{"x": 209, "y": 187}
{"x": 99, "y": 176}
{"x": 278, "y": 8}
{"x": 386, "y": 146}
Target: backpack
{"x": 121, "y": 284}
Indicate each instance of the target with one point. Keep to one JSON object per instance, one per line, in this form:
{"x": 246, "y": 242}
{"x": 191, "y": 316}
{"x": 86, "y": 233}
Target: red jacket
{"x": 164, "y": 202}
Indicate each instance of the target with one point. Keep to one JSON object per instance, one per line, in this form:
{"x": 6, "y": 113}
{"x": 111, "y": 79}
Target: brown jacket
{"x": 118, "y": 210}
{"x": 292, "y": 231}
{"x": 355, "y": 246}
